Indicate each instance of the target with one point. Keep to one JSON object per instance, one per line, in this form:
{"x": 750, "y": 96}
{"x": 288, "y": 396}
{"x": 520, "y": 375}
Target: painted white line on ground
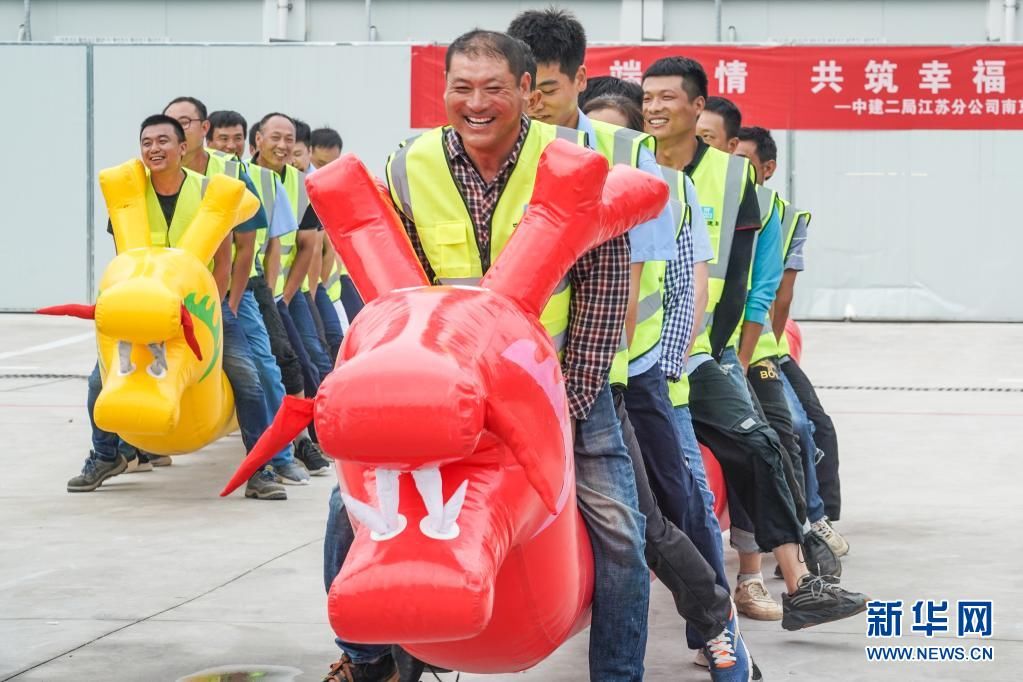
{"x": 49, "y": 346}
{"x": 17, "y": 368}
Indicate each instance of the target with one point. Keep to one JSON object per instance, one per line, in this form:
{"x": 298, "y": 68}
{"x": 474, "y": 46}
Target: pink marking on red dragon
{"x": 448, "y": 419}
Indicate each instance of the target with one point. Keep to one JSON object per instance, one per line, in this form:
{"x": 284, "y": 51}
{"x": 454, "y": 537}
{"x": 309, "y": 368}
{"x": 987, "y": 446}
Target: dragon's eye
{"x": 158, "y": 367}
{"x": 124, "y": 357}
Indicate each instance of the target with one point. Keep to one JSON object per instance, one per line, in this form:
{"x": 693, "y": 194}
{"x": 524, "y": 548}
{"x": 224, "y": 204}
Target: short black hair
{"x": 226, "y": 119}
{"x": 598, "y": 86}
{"x": 328, "y": 138}
{"x": 302, "y": 131}
{"x": 729, "y": 113}
{"x": 252, "y": 133}
{"x": 493, "y": 44}
{"x": 199, "y": 106}
{"x": 266, "y": 118}
{"x": 625, "y": 106}
{"x": 694, "y": 78}
{"x": 554, "y": 35}
{"x": 162, "y": 119}
{"x": 527, "y": 54}
{"x": 767, "y": 150}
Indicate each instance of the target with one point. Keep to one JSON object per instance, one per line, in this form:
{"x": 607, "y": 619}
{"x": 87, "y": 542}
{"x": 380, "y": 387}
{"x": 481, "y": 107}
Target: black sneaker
{"x": 820, "y": 558}
{"x": 344, "y": 670}
{"x": 94, "y": 472}
{"x": 311, "y": 457}
{"x": 264, "y": 486}
{"x": 818, "y": 601}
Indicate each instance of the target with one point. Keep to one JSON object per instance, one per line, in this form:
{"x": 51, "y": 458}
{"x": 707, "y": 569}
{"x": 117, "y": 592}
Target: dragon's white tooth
{"x": 453, "y": 507}
{"x": 387, "y": 493}
{"x": 367, "y": 515}
{"x": 124, "y": 358}
{"x": 430, "y": 487}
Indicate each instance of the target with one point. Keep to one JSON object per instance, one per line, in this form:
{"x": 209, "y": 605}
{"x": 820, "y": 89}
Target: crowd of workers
{"x": 672, "y": 336}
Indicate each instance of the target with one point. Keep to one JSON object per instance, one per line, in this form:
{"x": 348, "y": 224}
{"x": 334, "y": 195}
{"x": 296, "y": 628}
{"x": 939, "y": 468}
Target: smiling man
{"x": 173, "y": 197}
{"x": 751, "y": 455}
{"x": 288, "y": 258}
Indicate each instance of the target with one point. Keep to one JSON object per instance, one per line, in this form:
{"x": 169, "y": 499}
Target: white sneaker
{"x": 824, "y": 530}
{"x": 700, "y": 660}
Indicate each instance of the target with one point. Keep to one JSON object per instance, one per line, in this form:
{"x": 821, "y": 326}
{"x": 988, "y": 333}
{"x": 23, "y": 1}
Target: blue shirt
{"x": 283, "y": 220}
{"x": 655, "y": 239}
{"x": 767, "y": 269}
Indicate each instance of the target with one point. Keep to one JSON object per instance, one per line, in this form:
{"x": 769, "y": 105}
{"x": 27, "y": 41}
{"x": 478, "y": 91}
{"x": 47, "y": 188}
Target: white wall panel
{"x": 44, "y": 180}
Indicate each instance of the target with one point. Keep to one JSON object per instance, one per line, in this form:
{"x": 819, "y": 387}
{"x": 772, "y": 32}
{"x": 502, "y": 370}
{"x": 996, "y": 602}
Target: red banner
{"x": 813, "y": 87}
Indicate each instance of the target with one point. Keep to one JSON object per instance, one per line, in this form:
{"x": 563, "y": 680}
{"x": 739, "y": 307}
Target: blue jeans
{"x": 250, "y": 401}
{"x": 252, "y": 326}
{"x": 803, "y": 427}
{"x": 672, "y": 482}
{"x": 310, "y": 373}
{"x": 331, "y": 321}
{"x": 607, "y": 498}
{"x": 310, "y": 337}
{"x": 104, "y": 443}
{"x": 336, "y": 543}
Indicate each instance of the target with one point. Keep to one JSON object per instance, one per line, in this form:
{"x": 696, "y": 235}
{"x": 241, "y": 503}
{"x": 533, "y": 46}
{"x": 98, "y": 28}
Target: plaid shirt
{"x": 599, "y": 279}
{"x": 679, "y": 302}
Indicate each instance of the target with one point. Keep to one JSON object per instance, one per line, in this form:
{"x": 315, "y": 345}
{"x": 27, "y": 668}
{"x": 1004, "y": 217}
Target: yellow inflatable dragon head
{"x": 158, "y": 319}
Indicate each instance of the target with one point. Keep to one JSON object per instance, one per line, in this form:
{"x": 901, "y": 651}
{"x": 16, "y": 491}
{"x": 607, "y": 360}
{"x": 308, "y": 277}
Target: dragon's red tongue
{"x": 188, "y": 330}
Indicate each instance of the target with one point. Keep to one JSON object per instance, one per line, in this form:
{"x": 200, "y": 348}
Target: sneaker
{"x": 311, "y": 457}
{"x": 700, "y": 660}
{"x": 94, "y": 472}
{"x": 754, "y": 601}
{"x": 291, "y": 473}
{"x": 818, "y": 601}
{"x": 159, "y": 460}
{"x": 345, "y": 670}
{"x": 137, "y": 465}
{"x": 264, "y": 486}
{"x": 820, "y": 560}
{"x": 826, "y": 532}
{"x": 727, "y": 656}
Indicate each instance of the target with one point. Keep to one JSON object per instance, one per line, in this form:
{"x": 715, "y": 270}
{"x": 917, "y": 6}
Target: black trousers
{"x": 824, "y": 436}
{"x": 280, "y": 346}
{"x": 749, "y": 451}
{"x": 770, "y": 394}
{"x": 672, "y": 556}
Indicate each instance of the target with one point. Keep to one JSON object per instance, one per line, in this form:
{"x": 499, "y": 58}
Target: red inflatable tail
{"x": 86, "y": 312}
{"x": 295, "y": 414}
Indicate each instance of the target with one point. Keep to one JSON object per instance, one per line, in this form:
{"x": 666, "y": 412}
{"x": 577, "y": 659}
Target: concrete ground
{"x": 153, "y": 577}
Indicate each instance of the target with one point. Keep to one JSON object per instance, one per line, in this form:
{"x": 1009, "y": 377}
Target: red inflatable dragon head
{"x": 448, "y": 419}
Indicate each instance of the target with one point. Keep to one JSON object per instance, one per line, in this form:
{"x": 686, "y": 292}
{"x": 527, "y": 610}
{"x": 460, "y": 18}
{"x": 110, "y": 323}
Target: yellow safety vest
{"x": 189, "y": 197}
{"x": 265, "y": 181}
{"x": 621, "y": 146}
{"x": 424, "y": 190}
{"x": 720, "y": 181}
{"x": 767, "y": 200}
{"x": 294, "y": 187}
{"x": 767, "y": 345}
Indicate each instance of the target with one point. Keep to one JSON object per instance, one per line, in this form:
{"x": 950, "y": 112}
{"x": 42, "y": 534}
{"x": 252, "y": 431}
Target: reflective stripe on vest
{"x": 768, "y": 345}
{"x": 294, "y": 187}
{"x": 720, "y": 181}
{"x": 266, "y": 187}
{"x": 767, "y": 201}
{"x": 185, "y": 209}
{"x": 422, "y": 186}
